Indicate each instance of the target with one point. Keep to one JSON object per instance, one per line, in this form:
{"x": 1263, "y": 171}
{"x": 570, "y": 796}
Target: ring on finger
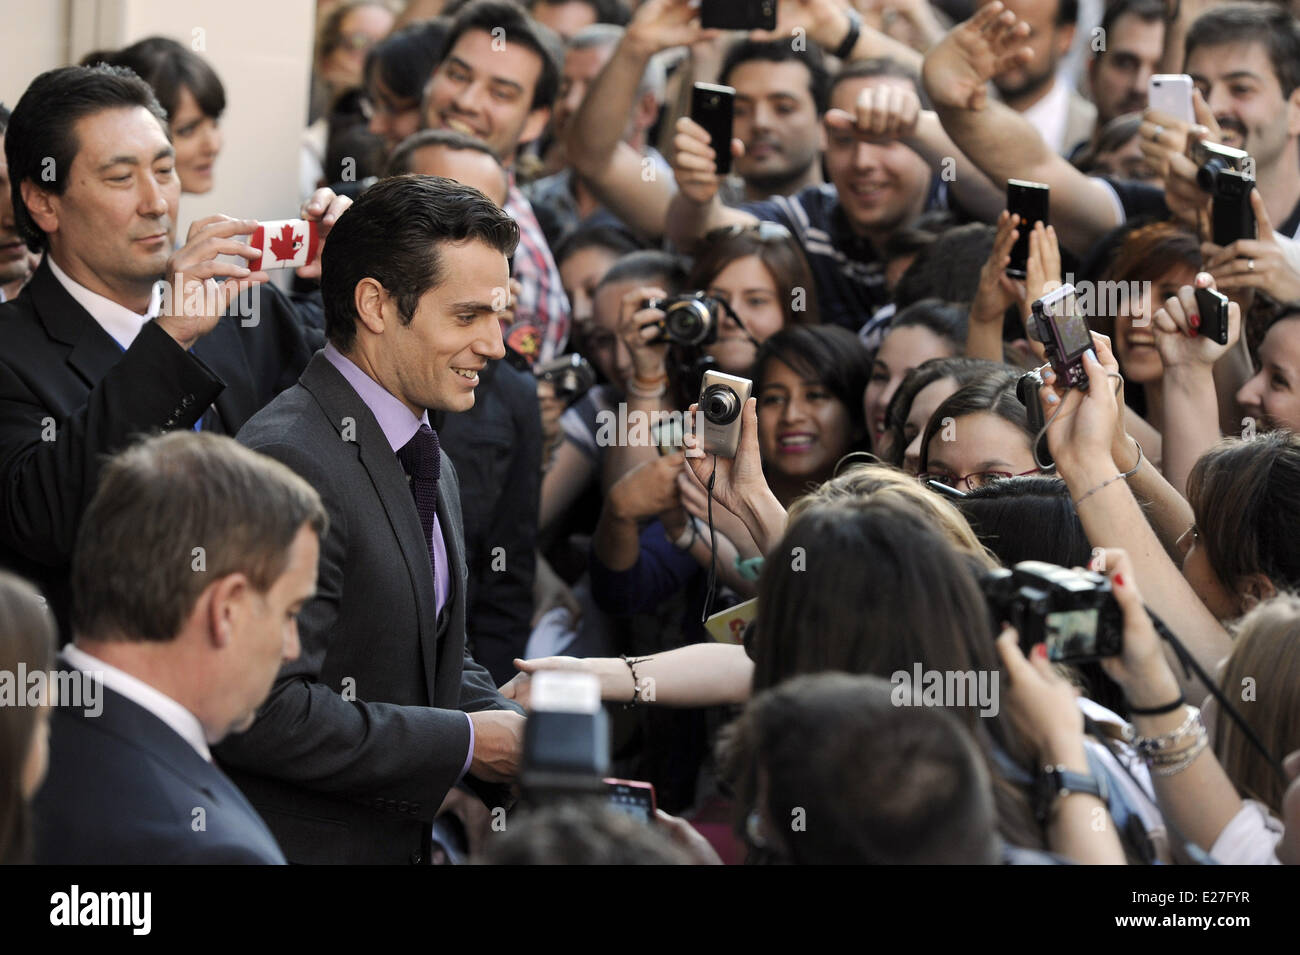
{"x": 1250, "y": 264}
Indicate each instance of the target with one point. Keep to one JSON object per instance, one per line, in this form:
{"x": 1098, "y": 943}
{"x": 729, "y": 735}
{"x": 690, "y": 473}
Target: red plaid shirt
{"x": 542, "y": 300}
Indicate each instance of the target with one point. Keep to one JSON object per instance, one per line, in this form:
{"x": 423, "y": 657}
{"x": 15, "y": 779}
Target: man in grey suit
{"x": 385, "y": 719}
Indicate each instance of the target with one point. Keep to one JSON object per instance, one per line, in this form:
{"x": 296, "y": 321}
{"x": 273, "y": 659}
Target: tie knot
{"x": 421, "y": 455}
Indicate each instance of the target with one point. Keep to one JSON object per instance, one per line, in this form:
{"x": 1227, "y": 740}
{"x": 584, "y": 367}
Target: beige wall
{"x": 261, "y": 49}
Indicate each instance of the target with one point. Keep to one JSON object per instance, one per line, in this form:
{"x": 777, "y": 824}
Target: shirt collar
{"x": 182, "y": 721}
{"x": 119, "y": 321}
{"x": 395, "y": 419}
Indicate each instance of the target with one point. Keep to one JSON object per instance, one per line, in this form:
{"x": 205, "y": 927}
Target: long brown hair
{"x": 780, "y": 255}
{"x": 27, "y": 637}
{"x": 1263, "y": 673}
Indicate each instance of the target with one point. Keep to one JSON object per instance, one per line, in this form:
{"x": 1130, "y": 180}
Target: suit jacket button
{"x": 416, "y": 858}
{"x": 403, "y": 805}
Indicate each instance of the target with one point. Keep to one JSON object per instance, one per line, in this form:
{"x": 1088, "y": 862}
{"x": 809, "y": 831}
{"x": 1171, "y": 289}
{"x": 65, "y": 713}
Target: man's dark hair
{"x": 42, "y": 144}
{"x": 581, "y": 833}
{"x": 647, "y": 265}
{"x": 606, "y": 11}
{"x": 877, "y": 66}
{"x": 949, "y": 267}
{"x": 892, "y": 784}
{"x": 1067, "y": 11}
{"x": 518, "y": 27}
{"x": 399, "y": 163}
{"x": 169, "y": 67}
{"x": 173, "y": 514}
{"x": 782, "y": 51}
{"x": 1267, "y": 24}
{"x": 1148, "y": 11}
{"x": 394, "y": 234}
{"x": 406, "y": 58}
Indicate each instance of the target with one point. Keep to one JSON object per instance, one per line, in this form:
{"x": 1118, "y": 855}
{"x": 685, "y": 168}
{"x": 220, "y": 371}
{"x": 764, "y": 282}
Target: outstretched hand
{"x": 957, "y": 70}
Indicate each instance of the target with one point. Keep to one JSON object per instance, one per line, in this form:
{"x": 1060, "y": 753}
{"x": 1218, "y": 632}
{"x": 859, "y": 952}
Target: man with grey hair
{"x": 562, "y": 200}
{"x": 192, "y": 563}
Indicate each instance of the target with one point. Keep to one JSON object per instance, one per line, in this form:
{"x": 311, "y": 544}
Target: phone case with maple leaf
{"x": 284, "y": 244}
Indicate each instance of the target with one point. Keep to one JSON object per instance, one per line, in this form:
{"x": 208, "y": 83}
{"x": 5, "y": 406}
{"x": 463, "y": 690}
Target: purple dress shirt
{"x": 399, "y": 427}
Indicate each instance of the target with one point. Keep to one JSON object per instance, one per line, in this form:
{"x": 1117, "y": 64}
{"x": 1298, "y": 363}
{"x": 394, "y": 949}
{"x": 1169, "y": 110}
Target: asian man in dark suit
{"x": 176, "y": 646}
{"x": 91, "y": 354}
{"x": 366, "y": 737}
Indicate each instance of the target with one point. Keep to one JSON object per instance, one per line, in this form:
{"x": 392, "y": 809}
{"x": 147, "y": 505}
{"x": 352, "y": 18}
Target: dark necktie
{"x": 422, "y": 460}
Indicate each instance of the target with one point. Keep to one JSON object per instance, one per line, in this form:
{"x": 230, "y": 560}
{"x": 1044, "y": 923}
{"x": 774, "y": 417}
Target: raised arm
{"x": 1001, "y": 142}
{"x": 613, "y": 170}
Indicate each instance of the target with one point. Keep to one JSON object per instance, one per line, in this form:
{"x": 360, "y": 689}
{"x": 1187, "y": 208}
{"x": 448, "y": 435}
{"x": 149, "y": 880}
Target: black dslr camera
{"x": 690, "y": 319}
{"x": 1073, "y": 612}
{"x": 570, "y": 375}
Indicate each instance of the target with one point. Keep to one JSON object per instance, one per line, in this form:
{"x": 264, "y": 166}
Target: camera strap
{"x": 711, "y": 588}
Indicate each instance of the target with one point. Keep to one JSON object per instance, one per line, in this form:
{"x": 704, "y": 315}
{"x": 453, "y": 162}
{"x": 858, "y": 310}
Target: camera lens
{"x": 688, "y": 322}
{"x": 1207, "y": 174}
{"x": 720, "y": 404}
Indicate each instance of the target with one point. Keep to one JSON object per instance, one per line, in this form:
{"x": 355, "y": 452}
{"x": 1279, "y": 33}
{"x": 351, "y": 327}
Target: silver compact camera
{"x": 722, "y": 398}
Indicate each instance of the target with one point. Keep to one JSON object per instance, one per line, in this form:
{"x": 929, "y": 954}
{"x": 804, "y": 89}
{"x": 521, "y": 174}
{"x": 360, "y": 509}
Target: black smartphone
{"x": 714, "y": 107}
{"x": 1212, "y": 305}
{"x": 738, "y": 14}
{"x": 1233, "y": 216}
{"x": 1029, "y": 201}
{"x": 633, "y": 797}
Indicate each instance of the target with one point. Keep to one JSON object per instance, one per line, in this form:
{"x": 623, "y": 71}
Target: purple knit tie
{"x": 422, "y": 459}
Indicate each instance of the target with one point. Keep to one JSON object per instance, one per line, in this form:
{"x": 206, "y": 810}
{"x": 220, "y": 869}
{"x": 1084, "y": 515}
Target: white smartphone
{"x": 1171, "y": 94}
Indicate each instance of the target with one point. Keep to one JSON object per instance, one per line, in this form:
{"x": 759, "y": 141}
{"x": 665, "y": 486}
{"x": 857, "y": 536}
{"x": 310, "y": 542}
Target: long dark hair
{"x": 871, "y": 588}
{"x": 27, "y": 637}
{"x": 826, "y": 353}
{"x": 960, "y": 369}
{"x": 168, "y": 67}
{"x": 780, "y": 255}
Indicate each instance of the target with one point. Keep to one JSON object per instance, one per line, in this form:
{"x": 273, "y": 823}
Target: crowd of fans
{"x": 296, "y": 579}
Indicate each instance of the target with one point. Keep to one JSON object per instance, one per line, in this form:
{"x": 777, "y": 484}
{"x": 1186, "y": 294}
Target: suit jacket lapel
{"x": 94, "y": 352}
{"x": 338, "y": 400}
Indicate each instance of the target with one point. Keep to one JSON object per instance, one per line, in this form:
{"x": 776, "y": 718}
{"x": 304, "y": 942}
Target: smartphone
{"x": 1233, "y": 217}
{"x": 284, "y": 244}
{"x": 1064, "y": 335}
{"x": 738, "y": 14}
{"x": 1029, "y": 201}
{"x": 1212, "y": 306}
{"x": 1171, "y": 94}
{"x": 637, "y": 799}
{"x": 713, "y": 107}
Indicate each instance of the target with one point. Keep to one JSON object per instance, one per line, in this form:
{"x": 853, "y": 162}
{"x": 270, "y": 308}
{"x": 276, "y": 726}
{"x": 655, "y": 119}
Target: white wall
{"x": 261, "y": 49}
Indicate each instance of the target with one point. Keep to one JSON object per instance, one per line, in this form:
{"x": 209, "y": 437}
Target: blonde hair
{"x": 1266, "y": 652}
{"x": 887, "y": 484}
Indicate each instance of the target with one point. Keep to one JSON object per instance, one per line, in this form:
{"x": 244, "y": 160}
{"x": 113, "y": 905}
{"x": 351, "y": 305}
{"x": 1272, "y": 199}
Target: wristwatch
{"x": 1057, "y": 782}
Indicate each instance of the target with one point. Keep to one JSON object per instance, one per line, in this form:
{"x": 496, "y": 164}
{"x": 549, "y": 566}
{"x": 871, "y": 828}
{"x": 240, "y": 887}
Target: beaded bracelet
{"x": 636, "y": 683}
{"x": 1150, "y": 745}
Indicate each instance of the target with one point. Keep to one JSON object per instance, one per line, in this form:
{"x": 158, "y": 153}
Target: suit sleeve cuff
{"x": 469, "y": 757}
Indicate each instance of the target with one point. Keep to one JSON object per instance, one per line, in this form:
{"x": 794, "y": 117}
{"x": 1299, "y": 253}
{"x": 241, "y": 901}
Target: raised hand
{"x": 196, "y": 300}
{"x": 958, "y": 68}
{"x": 881, "y": 112}
{"x": 695, "y": 163}
{"x": 1176, "y": 325}
{"x": 1254, "y": 264}
{"x": 324, "y": 207}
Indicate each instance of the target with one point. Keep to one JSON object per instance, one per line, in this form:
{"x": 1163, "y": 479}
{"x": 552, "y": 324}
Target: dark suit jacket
{"x": 123, "y": 788}
{"x": 363, "y": 735}
{"x": 497, "y": 449}
{"x": 70, "y": 397}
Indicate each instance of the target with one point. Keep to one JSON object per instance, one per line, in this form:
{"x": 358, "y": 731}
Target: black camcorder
{"x": 1073, "y": 612}
{"x": 690, "y": 319}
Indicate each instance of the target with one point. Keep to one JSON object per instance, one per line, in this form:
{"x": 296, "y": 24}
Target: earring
{"x": 753, "y": 830}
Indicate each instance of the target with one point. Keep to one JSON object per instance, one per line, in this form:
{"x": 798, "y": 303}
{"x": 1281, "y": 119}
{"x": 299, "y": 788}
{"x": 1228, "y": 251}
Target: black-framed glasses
{"x": 975, "y": 479}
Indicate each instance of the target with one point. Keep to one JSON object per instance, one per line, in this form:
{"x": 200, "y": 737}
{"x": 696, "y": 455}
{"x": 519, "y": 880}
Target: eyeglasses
{"x": 1187, "y": 540}
{"x": 383, "y": 106}
{"x": 764, "y": 230}
{"x": 973, "y": 480}
{"x": 356, "y": 42}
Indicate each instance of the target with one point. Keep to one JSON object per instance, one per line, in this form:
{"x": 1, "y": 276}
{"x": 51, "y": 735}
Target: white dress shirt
{"x": 1051, "y": 114}
{"x": 185, "y": 723}
{"x": 120, "y": 322}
